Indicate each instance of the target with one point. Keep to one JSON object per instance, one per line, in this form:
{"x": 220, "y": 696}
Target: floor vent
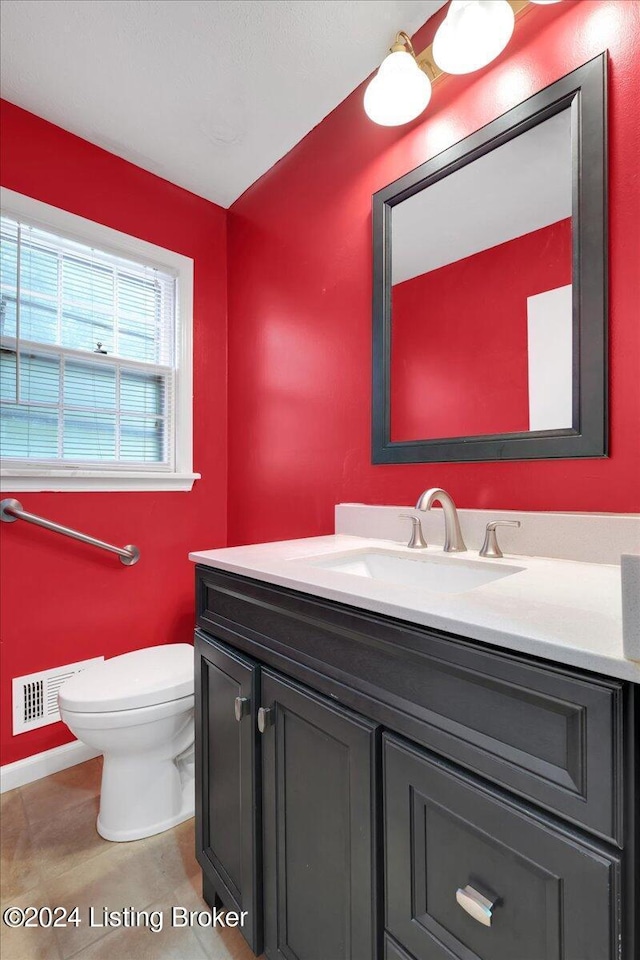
{"x": 35, "y": 697}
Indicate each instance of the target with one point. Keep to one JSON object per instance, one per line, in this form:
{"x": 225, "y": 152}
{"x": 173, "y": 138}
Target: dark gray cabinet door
{"x": 228, "y": 838}
{"x": 393, "y": 951}
{"x": 319, "y": 771}
{"x": 555, "y": 896}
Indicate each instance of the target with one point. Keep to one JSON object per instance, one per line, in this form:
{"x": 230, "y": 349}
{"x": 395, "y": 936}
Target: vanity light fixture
{"x": 401, "y": 89}
{"x": 473, "y": 33}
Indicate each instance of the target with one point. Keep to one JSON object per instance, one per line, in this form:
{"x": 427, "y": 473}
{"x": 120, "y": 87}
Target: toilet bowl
{"x": 137, "y": 710}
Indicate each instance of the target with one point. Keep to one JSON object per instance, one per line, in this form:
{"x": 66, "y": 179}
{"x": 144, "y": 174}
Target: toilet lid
{"x": 138, "y": 679}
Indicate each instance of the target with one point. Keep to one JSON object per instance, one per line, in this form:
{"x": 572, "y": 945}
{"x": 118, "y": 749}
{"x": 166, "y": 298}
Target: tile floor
{"x": 52, "y": 856}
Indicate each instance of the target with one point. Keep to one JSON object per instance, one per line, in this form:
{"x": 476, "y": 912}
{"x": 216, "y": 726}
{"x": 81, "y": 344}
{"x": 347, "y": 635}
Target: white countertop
{"x": 562, "y": 610}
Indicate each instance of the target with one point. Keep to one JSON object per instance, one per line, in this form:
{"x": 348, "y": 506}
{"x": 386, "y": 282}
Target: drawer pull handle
{"x": 476, "y": 905}
{"x": 265, "y": 718}
{"x": 242, "y": 707}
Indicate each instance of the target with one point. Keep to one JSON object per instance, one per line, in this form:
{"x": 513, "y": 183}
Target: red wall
{"x": 300, "y": 348}
{"x": 300, "y": 298}
{"x": 63, "y": 601}
{"x": 467, "y": 374}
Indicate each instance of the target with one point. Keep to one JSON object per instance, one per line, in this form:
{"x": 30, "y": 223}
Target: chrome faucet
{"x": 453, "y": 542}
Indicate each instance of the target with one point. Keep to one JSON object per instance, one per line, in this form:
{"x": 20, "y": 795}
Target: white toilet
{"x": 137, "y": 709}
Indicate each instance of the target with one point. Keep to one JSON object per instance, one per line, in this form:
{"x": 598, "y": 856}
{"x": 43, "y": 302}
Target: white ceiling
{"x": 206, "y": 93}
{"x": 521, "y": 186}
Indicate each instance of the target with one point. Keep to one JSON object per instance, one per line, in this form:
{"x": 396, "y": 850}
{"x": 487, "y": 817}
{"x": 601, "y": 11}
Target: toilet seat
{"x": 143, "y": 678}
{"x": 113, "y": 719}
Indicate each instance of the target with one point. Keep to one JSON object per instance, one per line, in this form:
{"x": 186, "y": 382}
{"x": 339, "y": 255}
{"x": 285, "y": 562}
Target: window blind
{"x": 87, "y": 354}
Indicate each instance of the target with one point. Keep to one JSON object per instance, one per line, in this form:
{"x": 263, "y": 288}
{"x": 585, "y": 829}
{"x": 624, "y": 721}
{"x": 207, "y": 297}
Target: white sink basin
{"x": 441, "y": 574}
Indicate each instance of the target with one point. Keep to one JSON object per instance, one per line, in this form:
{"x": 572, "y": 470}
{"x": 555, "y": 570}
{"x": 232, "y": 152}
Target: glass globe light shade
{"x": 399, "y": 92}
{"x": 473, "y": 34}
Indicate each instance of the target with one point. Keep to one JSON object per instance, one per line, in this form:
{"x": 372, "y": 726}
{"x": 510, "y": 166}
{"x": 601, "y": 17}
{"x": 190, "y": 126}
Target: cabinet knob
{"x": 242, "y": 707}
{"x": 476, "y": 905}
{"x": 265, "y": 718}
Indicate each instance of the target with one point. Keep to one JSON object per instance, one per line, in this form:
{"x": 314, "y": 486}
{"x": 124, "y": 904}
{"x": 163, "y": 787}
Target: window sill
{"x": 18, "y": 481}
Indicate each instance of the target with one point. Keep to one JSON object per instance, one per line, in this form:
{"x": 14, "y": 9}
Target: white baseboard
{"x": 40, "y": 765}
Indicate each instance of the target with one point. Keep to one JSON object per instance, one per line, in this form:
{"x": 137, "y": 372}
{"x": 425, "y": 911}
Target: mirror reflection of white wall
{"x": 519, "y": 187}
{"x": 481, "y": 301}
{"x": 550, "y": 351}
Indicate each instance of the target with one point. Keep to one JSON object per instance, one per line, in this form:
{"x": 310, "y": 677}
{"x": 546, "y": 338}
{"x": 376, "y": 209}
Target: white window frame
{"x": 20, "y": 476}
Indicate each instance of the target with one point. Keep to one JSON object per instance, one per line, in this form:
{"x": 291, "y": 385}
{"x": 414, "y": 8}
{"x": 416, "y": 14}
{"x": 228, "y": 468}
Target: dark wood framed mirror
{"x": 490, "y": 289}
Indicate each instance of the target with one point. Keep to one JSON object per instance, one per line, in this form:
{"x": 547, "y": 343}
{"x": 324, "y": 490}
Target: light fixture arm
{"x": 403, "y": 44}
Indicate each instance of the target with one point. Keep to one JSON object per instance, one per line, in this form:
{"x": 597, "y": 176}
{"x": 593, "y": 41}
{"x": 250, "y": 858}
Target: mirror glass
{"x": 481, "y": 297}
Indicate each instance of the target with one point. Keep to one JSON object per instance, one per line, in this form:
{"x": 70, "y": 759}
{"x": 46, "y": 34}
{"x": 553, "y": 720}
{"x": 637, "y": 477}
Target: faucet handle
{"x": 416, "y": 540}
{"x": 490, "y": 546}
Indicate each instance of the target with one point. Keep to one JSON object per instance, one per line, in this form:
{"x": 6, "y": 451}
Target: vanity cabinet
{"x": 390, "y": 788}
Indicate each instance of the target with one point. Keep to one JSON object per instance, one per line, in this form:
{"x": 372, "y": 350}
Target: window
{"x": 94, "y": 375}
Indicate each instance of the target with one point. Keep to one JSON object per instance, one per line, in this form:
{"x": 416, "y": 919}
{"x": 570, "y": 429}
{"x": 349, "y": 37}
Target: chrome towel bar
{"x": 11, "y": 510}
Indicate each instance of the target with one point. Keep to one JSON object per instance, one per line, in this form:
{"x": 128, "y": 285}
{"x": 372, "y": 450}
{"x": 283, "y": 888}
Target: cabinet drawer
{"x": 554, "y": 896}
{"x": 550, "y": 734}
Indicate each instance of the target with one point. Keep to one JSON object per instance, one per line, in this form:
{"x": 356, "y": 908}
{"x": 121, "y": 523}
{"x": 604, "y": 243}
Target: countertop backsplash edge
{"x": 586, "y": 537}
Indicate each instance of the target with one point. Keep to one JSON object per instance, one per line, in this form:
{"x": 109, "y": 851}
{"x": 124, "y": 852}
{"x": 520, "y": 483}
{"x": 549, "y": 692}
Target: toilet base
{"x": 143, "y": 794}
{"x": 148, "y": 766}
{"x": 124, "y": 836}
